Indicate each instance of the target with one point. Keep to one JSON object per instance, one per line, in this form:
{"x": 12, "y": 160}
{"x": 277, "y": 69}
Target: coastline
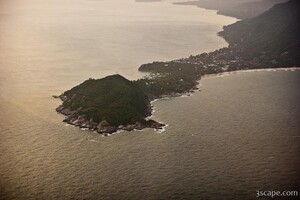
{"x": 197, "y": 87}
{"x": 73, "y": 118}
{"x": 180, "y": 78}
{"x": 241, "y": 10}
{"x": 194, "y": 3}
{"x": 85, "y": 124}
{"x": 253, "y": 70}
{"x": 189, "y": 94}
{"x": 160, "y": 127}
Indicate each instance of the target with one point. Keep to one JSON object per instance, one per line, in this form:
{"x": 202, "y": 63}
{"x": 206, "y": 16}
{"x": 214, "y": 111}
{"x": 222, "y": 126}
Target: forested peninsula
{"x": 113, "y": 103}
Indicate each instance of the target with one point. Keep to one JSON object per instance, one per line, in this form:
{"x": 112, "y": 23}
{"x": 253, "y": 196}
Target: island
{"x": 107, "y": 105}
{"x": 113, "y": 103}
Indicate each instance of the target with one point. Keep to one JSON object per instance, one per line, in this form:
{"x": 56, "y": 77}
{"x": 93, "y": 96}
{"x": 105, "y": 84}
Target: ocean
{"x": 240, "y": 133}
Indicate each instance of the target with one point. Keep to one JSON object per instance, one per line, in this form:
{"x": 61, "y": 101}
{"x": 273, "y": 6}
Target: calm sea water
{"x": 238, "y": 135}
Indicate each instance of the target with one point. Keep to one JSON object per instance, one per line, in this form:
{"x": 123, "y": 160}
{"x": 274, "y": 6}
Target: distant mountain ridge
{"x": 275, "y": 33}
{"x": 241, "y": 9}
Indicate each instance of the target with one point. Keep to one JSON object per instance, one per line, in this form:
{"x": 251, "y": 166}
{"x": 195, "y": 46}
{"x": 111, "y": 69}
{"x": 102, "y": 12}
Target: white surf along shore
{"x": 197, "y": 88}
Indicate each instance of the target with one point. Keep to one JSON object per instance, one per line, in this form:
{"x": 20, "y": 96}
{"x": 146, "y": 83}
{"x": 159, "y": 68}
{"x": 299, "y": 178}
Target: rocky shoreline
{"x": 116, "y": 100}
{"x": 72, "y": 117}
{"x": 103, "y": 127}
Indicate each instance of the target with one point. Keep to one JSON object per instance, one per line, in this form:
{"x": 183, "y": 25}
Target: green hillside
{"x": 113, "y": 98}
{"x": 274, "y": 33}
